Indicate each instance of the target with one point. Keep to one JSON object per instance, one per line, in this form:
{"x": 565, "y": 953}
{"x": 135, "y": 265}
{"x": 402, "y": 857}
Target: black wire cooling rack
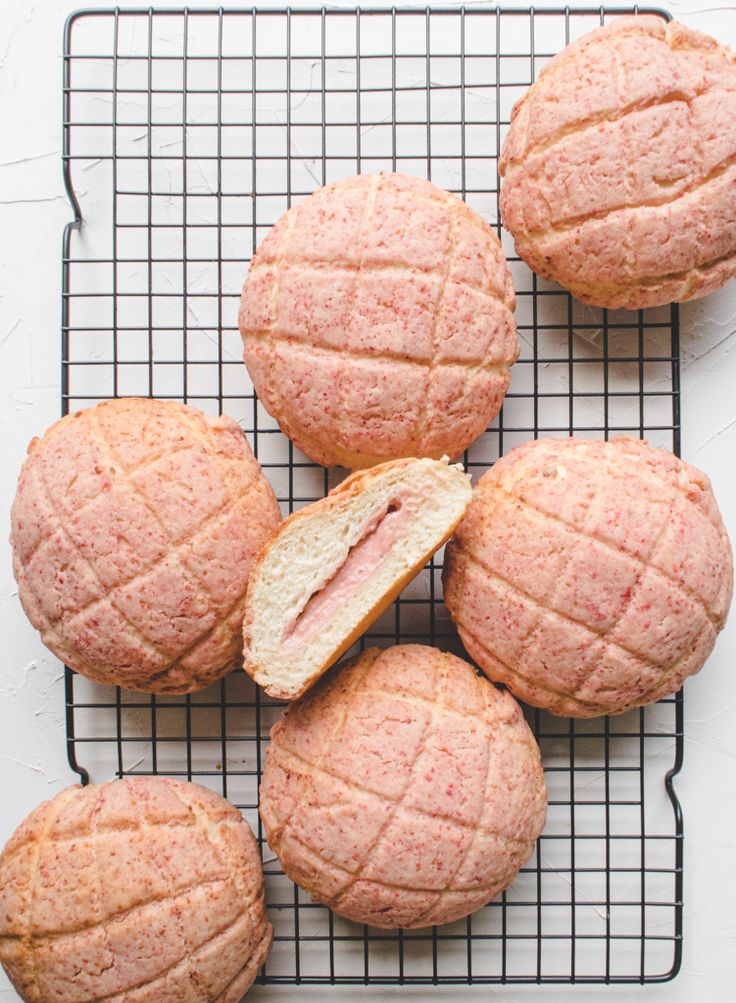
{"x": 186, "y": 134}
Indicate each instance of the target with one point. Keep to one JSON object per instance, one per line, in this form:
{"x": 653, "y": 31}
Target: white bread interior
{"x": 312, "y": 546}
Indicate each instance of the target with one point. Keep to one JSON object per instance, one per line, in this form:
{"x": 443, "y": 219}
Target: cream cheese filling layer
{"x": 363, "y": 559}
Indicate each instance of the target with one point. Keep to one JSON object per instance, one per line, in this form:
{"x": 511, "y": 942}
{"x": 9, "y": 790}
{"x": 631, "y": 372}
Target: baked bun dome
{"x": 141, "y": 890}
{"x": 377, "y": 318}
{"x": 619, "y": 166}
{"x": 134, "y": 528}
{"x": 403, "y": 790}
{"x": 590, "y": 577}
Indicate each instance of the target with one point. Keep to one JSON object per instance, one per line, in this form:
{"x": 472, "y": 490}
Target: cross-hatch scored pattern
{"x": 715, "y": 619}
{"x": 452, "y": 849}
{"x": 169, "y": 879}
{"x": 342, "y": 953}
{"x": 369, "y": 275}
{"x": 176, "y": 617}
{"x": 590, "y": 653}
{"x": 390, "y": 816}
{"x": 658, "y": 152}
{"x": 322, "y": 769}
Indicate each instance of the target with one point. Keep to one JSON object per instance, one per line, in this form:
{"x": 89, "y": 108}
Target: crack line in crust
{"x": 221, "y": 620}
{"x": 421, "y": 748}
{"x": 646, "y": 566}
{"x": 274, "y": 302}
{"x": 172, "y": 550}
{"x": 107, "y": 832}
{"x": 40, "y": 842}
{"x": 549, "y": 602}
{"x": 116, "y": 917}
{"x": 147, "y": 642}
{"x": 598, "y": 635}
{"x": 81, "y": 509}
{"x": 426, "y": 409}
{"x": 573, "y": 49}
{"x": 203, "y": 822}
{"x": 167, "y": 971}
{"x": 391, "y": 884}
{"x": 368, "y": 658}
{"x": 474, "y": 828}
{"x": 571, "y": 697}
{"x": 286, "y": 337}
{"x": 584, "y": 125}
{"x": 193, "y": 981}
{"x": 386, "y": 266}
{"x": 567, "y": 225}
{"x": 582, "y": 447}
{"x": 94, "y": 843}
{"x": 689, "y": 276}
{"x": 107, "y": 920}
{"x": 369, "y": 209}
{"x": 382, "y": 796}
{"x": 123, "y": 475}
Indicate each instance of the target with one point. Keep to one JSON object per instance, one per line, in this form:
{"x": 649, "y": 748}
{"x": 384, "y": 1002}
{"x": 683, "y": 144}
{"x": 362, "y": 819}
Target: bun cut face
{"x": 333, "y": 567}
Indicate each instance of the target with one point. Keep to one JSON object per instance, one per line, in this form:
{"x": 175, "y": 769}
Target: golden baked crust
{"x": 377, "y": 320}
{"x": 146, "y": 889}
{"x": 404, "y": 790}
{"x": 590, "y": 577}
{"x": 620, "y": 166}
{"x": 134, "y": 528}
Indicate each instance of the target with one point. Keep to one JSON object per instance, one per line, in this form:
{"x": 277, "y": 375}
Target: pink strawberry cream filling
{"x": 364, "y": 557}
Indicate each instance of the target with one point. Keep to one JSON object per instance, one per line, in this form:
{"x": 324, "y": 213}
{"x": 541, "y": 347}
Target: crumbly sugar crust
{"x": 134, "y": 528}
{"x": 403, "y": 790}
{"x": 143, "y": 890}
{"x": 590, "y": 577}
{"x": 620, "y": 166}
{"x": 377, "y": 319}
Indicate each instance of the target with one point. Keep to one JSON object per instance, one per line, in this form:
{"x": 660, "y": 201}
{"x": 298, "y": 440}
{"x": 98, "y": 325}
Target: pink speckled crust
{"x": 378, "y": 323}
{"x": 404, "y": 790}
{"x": 134, "y": 529}
{"x": 620, "y": 166}
{"x": 147, "y": 890}
{"x": 590, "y": 577}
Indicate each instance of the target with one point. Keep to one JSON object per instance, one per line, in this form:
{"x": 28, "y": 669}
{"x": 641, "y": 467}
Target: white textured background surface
{"x": 33, "y": 210}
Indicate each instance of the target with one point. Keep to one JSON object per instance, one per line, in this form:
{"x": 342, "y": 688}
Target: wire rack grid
{"x": 186, "y": 134}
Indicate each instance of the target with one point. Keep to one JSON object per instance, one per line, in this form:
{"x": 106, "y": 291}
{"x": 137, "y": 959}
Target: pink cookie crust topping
{"x": 377, "y": 318}
{"x": 404, "y": 790}
{"x": 134, "y": 529}
{"x": 590, "y": 577}
{"x": 620, "y": 166}
{"x": 146, "y": 890}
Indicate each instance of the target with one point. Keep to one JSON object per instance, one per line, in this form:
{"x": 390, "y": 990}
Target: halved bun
{"x": 333, "y": 567}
